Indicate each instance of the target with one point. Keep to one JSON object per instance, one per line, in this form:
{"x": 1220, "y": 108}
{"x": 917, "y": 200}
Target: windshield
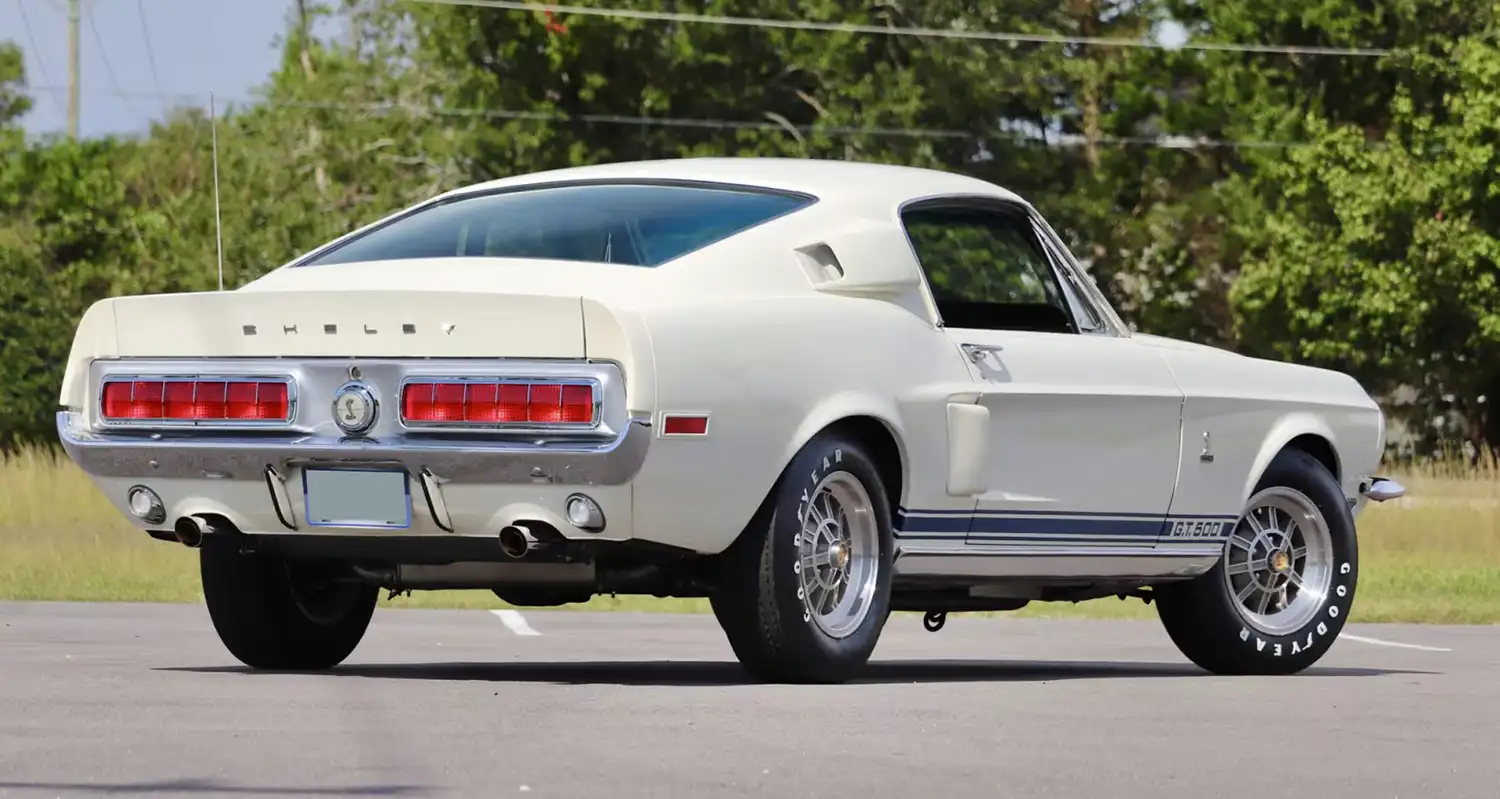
{"x": 635, "y": 224}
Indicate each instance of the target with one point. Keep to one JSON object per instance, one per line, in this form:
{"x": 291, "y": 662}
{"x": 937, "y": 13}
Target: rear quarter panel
{"x": 772, "y": 371}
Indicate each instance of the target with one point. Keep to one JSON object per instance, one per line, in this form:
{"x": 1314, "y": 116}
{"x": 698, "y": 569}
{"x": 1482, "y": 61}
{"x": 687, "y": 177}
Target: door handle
{"x": 976, "y": 352}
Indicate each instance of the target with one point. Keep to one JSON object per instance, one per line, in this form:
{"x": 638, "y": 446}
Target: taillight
{"x": 495, "y": 402}
{"x": 196, "y": 400}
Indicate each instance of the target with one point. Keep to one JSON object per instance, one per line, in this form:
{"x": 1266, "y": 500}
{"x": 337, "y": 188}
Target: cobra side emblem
{"x": 1207, "y": 455}
{"x": 354, "y": 409}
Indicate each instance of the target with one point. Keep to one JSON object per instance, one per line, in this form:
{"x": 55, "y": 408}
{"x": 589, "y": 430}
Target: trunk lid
{"x": 349, "y": 323}
{"x": 420, "y": 307}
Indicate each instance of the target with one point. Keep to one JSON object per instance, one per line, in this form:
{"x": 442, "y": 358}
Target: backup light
{"x": 145, "y": 505}
{"x": 584, "y": 513}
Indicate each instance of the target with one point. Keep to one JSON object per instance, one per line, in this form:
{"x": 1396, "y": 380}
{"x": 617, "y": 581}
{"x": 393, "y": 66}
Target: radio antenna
{"x": 213, "y": 121}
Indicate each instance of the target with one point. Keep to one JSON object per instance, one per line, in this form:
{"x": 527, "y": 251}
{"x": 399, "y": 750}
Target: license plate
{"x": 356, "y": 498}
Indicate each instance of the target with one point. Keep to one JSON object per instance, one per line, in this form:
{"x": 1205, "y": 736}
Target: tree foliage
{"x": 1344, "y": 216}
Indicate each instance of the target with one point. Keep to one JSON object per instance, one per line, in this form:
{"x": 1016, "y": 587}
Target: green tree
{"x": 1385, "y": 260}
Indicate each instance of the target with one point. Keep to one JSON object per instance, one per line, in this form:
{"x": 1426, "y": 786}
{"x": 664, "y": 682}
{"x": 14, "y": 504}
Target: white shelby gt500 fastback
{"x": 812, "y": 392}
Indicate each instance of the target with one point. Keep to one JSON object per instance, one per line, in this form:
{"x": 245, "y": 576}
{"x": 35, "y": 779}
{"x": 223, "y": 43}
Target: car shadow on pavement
{"x": 202, "y": 786}
{"x": 691, "y": 673}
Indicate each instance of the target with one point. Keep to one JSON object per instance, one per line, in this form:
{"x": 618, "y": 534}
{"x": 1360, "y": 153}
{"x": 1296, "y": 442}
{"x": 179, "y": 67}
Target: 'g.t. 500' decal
{"x": 1197, "y": 528}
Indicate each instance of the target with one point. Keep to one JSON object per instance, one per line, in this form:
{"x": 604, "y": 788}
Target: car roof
{"x": 825, "y": 179}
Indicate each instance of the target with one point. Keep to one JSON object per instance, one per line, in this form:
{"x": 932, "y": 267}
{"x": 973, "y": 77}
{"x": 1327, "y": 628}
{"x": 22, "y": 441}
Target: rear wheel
{"x": 804, "y": 593}
{"x": 1277, "y": 599}
{"x": 274, "y": 613}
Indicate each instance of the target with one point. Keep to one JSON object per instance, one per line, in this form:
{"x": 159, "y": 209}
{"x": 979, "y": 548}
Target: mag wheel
{"x": 1280, "y": 594}
{"x": 804, "y": 593}
{"x": 1278, "y": 564}
{"x": 273, "y": 613}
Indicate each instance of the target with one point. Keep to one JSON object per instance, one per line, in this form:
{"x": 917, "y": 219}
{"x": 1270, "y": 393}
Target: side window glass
{"x": 987, "y": 270}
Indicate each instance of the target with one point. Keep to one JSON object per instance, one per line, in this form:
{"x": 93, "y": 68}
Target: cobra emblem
{"x": 354, "y": 408}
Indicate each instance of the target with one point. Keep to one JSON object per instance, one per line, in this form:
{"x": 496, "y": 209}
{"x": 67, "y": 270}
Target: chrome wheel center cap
{"x": 839, "y": 554}
{"x": 1280, "y": 563}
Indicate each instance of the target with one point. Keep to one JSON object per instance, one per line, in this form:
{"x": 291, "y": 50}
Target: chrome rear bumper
{"x": 193, "y": 455}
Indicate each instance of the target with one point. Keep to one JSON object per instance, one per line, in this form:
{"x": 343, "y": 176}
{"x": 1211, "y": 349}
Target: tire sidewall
{"x": 1304, "y": 474}
{"x": 822, "y": 456}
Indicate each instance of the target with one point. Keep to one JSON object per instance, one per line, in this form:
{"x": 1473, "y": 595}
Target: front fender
{"x": 1282, "y": 432}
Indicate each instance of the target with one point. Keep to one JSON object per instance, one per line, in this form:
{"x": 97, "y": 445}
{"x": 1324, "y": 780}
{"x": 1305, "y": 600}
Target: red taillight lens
{"x": 117, "y": 402}
{"x": 274, "y": 401}
{"x": 577, "y": 404}
{"x": 480, "y": 402}
{"x": 545, "y": 405}
{"x": 196, "y": 400}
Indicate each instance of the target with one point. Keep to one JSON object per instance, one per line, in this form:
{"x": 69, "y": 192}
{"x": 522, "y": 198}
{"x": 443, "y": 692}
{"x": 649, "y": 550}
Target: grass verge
{"x": 1433, "y": 557}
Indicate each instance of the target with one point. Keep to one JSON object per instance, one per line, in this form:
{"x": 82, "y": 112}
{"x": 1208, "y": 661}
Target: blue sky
{"x": 224, "y": 46}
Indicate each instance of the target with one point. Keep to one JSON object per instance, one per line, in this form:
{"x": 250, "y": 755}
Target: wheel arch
{"x": 870, "y": 424}
{"x": 1300, "y": 431}
{"x": 884, "y": 447}
{"x": 871, "y": 427}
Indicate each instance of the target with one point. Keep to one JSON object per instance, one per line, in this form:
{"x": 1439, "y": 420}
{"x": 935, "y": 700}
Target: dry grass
{"x": 1432, "y": 557}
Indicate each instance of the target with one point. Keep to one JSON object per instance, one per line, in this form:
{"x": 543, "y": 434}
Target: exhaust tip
{"x": 189, "y": 531}
{"x": 516, "y": 541}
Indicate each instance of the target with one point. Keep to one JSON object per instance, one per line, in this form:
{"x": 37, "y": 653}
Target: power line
{"x": 1162, "y": 142}
{"x": 75, "y": 70}
{"x": 897, "y": 30}
{"x": 140, "y": 9}
{"x": 41, "y": 62}
{"x": 108, "y": 67}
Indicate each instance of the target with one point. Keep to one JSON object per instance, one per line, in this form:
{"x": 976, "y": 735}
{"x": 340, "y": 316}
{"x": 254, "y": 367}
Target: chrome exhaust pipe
{"x": 189, "y": 531}
{"x": 516, "y": 541}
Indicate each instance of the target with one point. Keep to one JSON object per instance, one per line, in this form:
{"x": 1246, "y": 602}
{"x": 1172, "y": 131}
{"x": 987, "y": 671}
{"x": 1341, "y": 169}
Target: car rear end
{"x": 367, "y": 416}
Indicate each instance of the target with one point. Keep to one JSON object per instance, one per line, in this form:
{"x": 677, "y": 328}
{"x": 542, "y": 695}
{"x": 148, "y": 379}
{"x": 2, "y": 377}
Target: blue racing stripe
{"x": 1058, "y": 527}
{"x": 1066, "y": 513}
{"x": 1054, "y": 525}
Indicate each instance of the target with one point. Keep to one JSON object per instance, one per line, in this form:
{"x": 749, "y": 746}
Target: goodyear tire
{"x": 804, "y": 593}
{"x": 1278, "y": 598}
{"x": 272, "y": 613}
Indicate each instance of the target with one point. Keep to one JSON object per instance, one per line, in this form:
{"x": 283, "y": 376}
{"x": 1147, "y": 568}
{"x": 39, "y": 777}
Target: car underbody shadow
{"x": 201, "y": 786}
{"x": 727, "y": 673}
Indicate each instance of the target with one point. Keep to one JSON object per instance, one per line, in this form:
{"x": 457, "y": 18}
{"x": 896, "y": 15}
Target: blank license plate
{"x": 356, "y": 498}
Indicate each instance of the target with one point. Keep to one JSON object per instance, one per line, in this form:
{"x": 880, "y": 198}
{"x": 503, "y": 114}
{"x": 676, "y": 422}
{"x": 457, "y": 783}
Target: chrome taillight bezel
{"x": 596, "y": 394}
{"x": 104, "y": 421}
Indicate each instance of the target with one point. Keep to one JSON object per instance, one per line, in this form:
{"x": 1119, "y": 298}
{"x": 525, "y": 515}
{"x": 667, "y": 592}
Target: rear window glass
{"x": 639, "y": 225}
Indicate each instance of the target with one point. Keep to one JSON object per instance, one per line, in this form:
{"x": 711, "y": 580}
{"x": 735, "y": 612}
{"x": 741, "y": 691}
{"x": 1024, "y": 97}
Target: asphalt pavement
{"x": 117, "y": 699}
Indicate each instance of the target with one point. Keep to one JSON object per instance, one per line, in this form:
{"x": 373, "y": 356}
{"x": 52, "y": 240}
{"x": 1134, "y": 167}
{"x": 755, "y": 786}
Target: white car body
{"x": 1023, "y": 459}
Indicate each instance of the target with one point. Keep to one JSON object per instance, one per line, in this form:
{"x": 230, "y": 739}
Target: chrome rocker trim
{"x": 1145, "y": 563}
{"x": 243, "y": 457}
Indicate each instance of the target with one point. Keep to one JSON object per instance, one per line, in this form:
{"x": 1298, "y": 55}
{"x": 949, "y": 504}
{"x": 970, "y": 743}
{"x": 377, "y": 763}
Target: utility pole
{"x": 73, "y": 69}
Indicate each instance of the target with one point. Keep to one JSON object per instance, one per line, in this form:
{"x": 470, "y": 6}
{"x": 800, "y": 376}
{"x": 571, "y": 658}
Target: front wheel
{"x": 275, "y": 613}
{"x": 1278, "y": 598}
{"x": 804, "y": 593}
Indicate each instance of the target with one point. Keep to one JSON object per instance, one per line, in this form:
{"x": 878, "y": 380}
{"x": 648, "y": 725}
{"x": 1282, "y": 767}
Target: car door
{"x": 1084, "y": 424}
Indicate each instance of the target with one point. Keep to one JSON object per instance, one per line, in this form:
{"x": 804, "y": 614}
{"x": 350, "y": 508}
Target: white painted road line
{"x": 515, "y": 622}
{"x": 1378, "y": 642}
